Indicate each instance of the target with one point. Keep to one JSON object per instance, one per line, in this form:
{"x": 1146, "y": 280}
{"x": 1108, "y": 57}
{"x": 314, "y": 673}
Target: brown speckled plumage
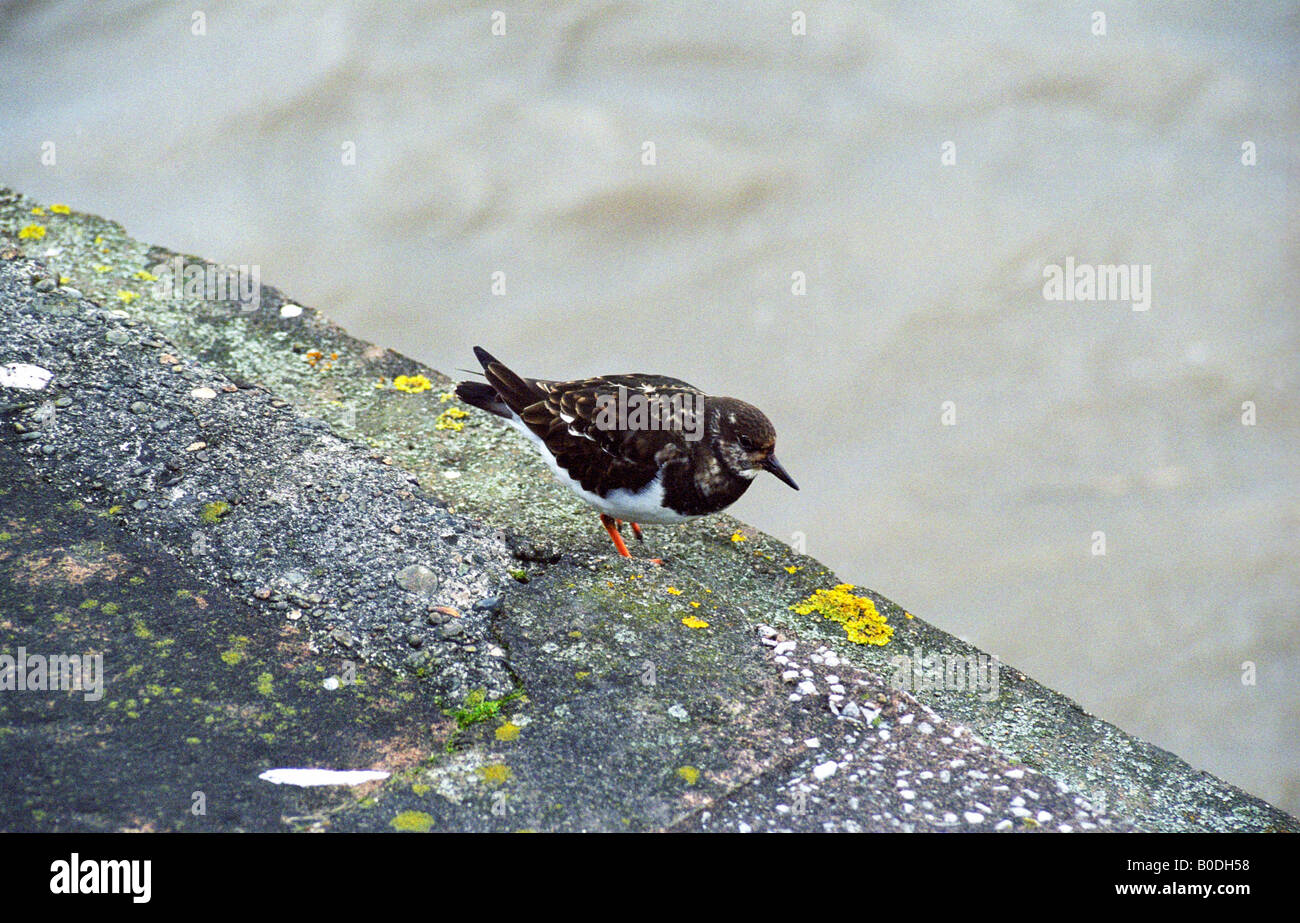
{"x": 704, "y": 451}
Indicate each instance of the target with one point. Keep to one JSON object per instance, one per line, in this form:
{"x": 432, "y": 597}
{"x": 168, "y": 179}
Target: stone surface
{"x": 309, "y": 568}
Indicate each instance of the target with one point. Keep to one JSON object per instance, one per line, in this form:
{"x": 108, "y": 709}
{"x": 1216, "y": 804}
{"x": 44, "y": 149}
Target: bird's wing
{"x": 615, "y": 430}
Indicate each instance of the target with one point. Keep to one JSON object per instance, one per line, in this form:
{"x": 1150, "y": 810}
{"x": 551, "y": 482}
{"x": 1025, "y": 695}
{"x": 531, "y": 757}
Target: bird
{"x": 638, "y": 448}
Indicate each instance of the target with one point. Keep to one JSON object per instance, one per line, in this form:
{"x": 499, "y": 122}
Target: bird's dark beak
{"x": 774, "y": 466}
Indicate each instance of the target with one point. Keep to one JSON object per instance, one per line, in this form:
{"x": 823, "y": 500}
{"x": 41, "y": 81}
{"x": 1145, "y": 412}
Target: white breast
{"x": 644, "y": 506}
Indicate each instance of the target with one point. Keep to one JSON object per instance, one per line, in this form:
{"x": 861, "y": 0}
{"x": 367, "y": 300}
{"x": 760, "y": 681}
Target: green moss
{"x": 478, "y": 708}
{"x": 264, "y": 684}
{"x": 110, "y": 608}
{"x": 89, "y": 604}
{"x": 237, "y": 652}
{"x": 5, "y": 536}
{"x": 212, "y": 512}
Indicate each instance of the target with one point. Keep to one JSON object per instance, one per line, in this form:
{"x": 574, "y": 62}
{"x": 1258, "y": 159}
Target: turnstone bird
{"x": 641, "y": 448}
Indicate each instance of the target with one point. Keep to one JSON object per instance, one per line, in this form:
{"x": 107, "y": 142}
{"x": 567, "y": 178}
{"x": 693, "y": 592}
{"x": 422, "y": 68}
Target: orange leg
{"x": 636, "y": 530}
{"x": 612, "y": 528}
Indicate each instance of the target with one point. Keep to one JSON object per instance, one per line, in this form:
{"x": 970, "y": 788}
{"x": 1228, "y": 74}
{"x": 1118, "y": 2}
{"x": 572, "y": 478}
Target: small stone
{"x": 140, "y": 505}
{"x": 451, "y": 630}
{"x": 825, "y": 770}
{"x": 417, "y": 578}
{"x": 203, "y": 394}
{"x": 414, "y": 640}
{"x": 117, "y": 336}
{"x": 290, "y": 310}
{"x": 262, "y": 592}
{"x": 973, "y": 817}
{"x": 331, "y": 683}
{"x": 488, "y": 604}
{"x": 139, "y": 407}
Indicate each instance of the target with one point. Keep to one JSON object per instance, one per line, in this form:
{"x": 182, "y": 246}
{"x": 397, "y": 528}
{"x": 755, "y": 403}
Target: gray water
{"x": 818, "y": 154}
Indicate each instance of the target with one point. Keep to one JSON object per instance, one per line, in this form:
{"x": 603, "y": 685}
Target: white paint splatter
{"x": 308, "y": 777}
{"x": 25, "y": 376}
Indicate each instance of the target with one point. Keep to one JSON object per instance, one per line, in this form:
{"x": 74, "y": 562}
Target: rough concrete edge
{"x": 1030, "y": 722}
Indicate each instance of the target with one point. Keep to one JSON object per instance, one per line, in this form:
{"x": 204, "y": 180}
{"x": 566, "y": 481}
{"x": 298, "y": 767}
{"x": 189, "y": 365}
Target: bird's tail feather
{"x": 517, "y": 393}
{"x": 483, "y": 396}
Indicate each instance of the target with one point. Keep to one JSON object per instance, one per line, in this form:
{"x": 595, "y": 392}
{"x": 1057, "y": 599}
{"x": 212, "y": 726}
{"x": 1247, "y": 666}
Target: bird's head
{"x": 744, "y": 440}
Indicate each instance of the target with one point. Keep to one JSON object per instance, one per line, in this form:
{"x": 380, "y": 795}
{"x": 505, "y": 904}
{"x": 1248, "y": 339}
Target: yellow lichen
{"x": 127, "y": 296}
{"x": 412, "y": 384}
{"x": 495, "y": 773}
{"x": 737, "y": 537}
{"x": 145, "y": 275}
{"x": 508, "y": 731}
{"x": 451, "y": 419}
{"x": 692, "y": 621}
{"x": 60, "y": 209}
{"x": 32, "y": 232}
{"x": 674, "y": 591}
{"x": 856, "y": 614}
{"x": 38, "y": 210}
{"x": 412, "y": 822}
{"x": 689, "y": 774}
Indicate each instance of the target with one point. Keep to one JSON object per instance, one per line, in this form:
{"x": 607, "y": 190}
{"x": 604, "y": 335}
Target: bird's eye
{"x": 746, "y": 444}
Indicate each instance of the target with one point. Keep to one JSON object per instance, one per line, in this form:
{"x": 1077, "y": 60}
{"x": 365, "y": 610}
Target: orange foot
{"x": 612, "y": 527}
